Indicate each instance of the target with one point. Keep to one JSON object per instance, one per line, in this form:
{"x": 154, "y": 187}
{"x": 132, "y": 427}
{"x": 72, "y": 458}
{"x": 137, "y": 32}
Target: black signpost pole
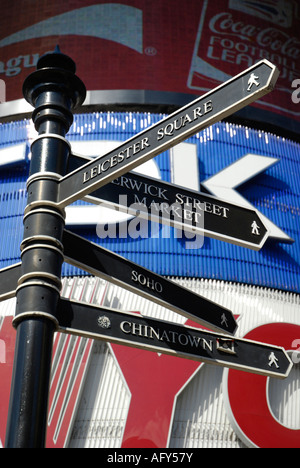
{"x": 54, "y": 90}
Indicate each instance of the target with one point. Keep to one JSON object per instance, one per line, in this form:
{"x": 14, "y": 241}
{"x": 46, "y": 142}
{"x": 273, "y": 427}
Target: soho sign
{"x": 146, "y": 281}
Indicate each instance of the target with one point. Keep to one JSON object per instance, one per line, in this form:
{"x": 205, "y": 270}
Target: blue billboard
{"x": 233, "y": 163}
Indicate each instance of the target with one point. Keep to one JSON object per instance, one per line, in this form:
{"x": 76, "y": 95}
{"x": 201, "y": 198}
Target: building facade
{"x": 139, "y": 62}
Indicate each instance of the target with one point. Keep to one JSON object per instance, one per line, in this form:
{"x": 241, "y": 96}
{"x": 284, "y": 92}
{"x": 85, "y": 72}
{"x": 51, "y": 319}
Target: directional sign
{"x": 185, "y": 209}
{"x": 169, "y": 338}
{"x": 118, "y": 270}
{"x": 215, "y": 105}
{"x": 9, "y": 281}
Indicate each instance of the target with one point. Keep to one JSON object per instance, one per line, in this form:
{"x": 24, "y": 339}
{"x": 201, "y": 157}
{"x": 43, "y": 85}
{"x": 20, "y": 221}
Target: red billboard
{"x": 168, "y": 46}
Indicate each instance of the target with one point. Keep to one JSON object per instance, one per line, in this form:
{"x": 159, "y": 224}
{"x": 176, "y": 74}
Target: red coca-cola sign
{"x": 167, "y": 46}
{"x": 239, "y": 34}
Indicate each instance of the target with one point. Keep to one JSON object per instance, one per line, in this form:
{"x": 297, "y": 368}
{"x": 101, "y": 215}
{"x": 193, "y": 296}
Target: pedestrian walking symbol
{"x": 252, "y": 81}
{"x": 273, "y": 360}
{"x": 224, "y": 320}
{"x": 255, "y": 228}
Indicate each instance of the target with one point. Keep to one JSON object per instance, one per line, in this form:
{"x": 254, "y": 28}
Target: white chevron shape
{"x": 95, "y": 20}
{"x": 224, "y": 183}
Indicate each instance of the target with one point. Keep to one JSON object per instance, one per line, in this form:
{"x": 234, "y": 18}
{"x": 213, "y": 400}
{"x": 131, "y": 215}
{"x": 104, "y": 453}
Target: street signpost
{"x": 138, "y": 331}
{"x": 122, "y": 272}
{"x": 214, "y": 106}
{"x": 55, "y": 91}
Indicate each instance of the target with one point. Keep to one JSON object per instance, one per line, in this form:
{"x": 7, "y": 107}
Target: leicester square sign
{"x": 215, "y": 105}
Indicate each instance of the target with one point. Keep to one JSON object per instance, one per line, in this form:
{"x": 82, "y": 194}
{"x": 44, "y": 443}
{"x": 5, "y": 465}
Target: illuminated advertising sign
{"x": 241, "y": 32}
{"x": 234, "y": 164}
{"x": 157, "y": 53}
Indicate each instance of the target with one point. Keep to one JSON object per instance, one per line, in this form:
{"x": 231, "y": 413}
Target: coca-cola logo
{"x": 274, "y": 39}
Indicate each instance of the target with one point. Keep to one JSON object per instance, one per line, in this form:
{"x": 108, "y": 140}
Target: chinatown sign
{"x": 169, "y": 338}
